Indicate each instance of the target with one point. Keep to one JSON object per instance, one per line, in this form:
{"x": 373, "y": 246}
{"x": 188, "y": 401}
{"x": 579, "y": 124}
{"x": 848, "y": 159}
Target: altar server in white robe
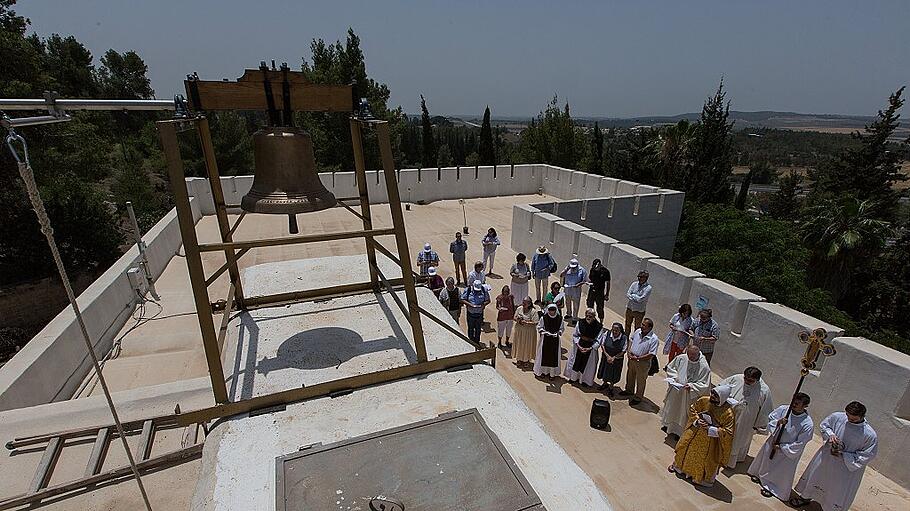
{"x": 688, "y": 378}
{"x": 776, "y": 475}
{"x": 836, "y": 471}
{"x": 753, "y": 405}
{"x": 586, "y": 340}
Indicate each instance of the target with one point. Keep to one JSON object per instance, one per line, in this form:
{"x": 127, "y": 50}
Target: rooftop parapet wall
{"x": 54, "y": 363}
{"x": 414, "y": 185}
{"x": 755, "y": 332}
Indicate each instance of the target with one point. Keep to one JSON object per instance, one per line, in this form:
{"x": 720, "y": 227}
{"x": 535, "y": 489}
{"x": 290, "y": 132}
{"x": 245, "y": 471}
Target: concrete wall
{"x": 648, "y": 221}
{"x": 53, "y": 364}
{"x": 414, "y": 185}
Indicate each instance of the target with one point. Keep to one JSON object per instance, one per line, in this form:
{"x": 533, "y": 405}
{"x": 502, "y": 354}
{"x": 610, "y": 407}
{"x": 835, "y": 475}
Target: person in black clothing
{"x": 450, "y": 297}
{"x": 599, "y": 290}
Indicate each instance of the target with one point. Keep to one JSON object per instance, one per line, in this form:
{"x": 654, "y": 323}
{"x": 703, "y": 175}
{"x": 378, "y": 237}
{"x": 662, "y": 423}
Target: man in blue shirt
{"x": 427, "y": 258}
{"x": 458, "y": 248}
{"x": 573, "y": 277}
{"x": 475, "y": 298}
{"x": 541, "y": 267}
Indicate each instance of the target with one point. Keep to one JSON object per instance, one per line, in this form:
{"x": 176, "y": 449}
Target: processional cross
{"x": 816, "y": 346}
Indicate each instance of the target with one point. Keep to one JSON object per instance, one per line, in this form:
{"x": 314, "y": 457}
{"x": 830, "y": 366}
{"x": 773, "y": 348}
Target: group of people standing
{"x": 713, "y": 424}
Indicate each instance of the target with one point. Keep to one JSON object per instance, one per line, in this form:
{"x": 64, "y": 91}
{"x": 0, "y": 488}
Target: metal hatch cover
{"x": 450, "y": 463}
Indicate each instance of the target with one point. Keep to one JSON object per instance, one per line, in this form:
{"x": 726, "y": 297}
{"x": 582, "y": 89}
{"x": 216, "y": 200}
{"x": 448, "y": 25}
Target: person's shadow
{"x": 718, "y": 491}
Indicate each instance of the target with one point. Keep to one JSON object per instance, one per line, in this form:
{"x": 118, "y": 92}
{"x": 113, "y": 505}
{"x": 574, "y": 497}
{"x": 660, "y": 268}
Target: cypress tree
{"x": 597, "y": 166}
{"x": 485, "y": 150}
{"x": 428, "y": 156}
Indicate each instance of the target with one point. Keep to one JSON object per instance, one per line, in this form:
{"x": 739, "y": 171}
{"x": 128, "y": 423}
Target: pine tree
{"x": 486, "y": 152}
{"x": 597, "y": 165}
{"x": 709, "y": 177}
{"x": 869, "y": 170}
{"x": 428, "y": 156}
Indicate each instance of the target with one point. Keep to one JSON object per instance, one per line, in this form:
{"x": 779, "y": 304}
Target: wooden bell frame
{"x": 247, "y": 93}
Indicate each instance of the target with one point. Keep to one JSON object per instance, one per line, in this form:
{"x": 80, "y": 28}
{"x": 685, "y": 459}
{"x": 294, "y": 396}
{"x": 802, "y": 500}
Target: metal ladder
{"x": 103, "y": 435}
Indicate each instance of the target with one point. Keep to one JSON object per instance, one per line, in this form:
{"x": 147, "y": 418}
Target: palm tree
{"x": 842, "y": 232}
{"x": 671, "y": 148}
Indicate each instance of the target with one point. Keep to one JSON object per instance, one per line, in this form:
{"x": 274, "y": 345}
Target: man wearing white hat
{"x": 573, "y": 277}
{"x": 475, "y": 298}
{"x": 427, "y": 258}
{"x": 542, "y": 265}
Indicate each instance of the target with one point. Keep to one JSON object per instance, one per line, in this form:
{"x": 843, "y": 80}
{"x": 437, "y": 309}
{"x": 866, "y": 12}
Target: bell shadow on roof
{"x": 325, "y": 347}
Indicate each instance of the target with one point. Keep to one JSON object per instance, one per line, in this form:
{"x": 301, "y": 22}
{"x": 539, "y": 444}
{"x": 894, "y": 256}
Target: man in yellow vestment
{"x": 705, "y": 446}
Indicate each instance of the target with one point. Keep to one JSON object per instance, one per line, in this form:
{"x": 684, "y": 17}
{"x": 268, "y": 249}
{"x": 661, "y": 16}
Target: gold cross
{"x": 816, "y": 345}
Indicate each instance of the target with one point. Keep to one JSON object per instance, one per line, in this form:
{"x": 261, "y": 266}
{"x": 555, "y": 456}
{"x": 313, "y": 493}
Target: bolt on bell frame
{"x": 290, "y": 90}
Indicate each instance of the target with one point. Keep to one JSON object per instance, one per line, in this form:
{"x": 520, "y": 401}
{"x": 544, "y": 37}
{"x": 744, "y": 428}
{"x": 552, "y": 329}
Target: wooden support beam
{"x": 223, "y": 268}
{"x": 452, "y": 330}
{"x": 388, "y": 253}
{"x": 237, "y": 222}
{"x": 167, "y": 132}
{"x": 224, "y": 226}
{"x": 326, "y": 388}
{"x": 358, "y": 215}
{"x": 225, "y": 318}
{"x": 47, "y": 464}
{"x": 401, "y": 237}
{"x": 146, "y": 439}
{"x": 99, "y": 452}
{"x": 325, "y": 293}
{"x": 247, "y": 93}
{"x": 360, "y": 174}
{"x": 293, "y": 240}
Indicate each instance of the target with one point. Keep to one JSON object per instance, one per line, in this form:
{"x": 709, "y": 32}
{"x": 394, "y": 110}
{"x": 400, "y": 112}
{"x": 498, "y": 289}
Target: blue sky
{"x": 608, "y": 58}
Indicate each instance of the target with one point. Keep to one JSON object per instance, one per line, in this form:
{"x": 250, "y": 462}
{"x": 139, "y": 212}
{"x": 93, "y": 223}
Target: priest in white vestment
{"x": 752, "y": 406}
{"x": 836, "y": 471}
{"x": 586, "y": 340}
{"x": 776, "y": 475}
{"x": 688, "y": 378}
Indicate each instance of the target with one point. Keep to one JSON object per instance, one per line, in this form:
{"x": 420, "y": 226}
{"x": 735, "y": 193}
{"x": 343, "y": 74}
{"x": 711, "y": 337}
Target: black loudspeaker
{"x": 600, "y": 414}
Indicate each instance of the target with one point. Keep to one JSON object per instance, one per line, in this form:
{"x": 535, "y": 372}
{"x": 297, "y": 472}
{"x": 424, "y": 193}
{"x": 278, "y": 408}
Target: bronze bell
{"x": 285, "y": 181}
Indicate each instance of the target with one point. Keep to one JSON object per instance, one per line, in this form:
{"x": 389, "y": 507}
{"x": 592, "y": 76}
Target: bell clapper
{"x": 292, "y": 224}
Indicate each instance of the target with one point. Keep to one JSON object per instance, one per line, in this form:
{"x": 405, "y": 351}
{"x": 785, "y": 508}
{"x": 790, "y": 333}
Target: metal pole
{"x": 88, "y": 104}
{"x": 780, "y": 429}
{"x": 143, "y": 257}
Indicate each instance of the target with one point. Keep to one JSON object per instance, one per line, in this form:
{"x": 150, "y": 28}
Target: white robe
{"x": 675, "y": 413}
{"x": 753, "y": 405}
{"x": 544, "y": 370}
{"x": 777, "y": 475}
{"x": 831, "y": 480}
{"x": 587, "y": 376}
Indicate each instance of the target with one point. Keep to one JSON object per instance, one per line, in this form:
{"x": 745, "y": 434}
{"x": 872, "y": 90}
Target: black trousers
{"x": 596, "y": 301}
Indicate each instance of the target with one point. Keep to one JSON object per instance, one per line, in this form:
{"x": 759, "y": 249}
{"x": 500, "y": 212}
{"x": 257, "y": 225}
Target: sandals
{"x": 766, "y": 493}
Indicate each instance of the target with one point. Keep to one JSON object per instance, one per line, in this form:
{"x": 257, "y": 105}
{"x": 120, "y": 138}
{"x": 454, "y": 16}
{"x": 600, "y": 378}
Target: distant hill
{"x": 827, "y": 123}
